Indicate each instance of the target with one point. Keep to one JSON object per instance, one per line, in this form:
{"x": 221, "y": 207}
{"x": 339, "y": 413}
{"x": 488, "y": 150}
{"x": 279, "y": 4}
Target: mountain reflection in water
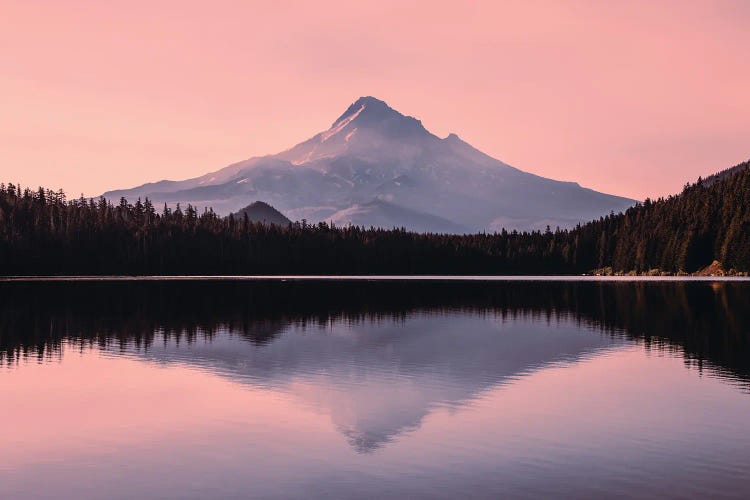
{"x": 377, "y": 359}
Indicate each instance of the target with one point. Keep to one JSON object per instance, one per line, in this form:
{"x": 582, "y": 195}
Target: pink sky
{"x": 632, "y": 98}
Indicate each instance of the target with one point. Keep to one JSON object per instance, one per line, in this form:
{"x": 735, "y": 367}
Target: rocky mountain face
{"x": 375, "y": 166}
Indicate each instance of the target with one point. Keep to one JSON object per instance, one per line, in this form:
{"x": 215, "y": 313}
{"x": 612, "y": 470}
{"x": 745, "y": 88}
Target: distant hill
{"x": 719, "y": 176}
{"x": 378, "y": 167}
{"x": 263, "y": 213}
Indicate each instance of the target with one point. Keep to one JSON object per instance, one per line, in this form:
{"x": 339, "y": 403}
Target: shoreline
{"x": 509, "y": 278}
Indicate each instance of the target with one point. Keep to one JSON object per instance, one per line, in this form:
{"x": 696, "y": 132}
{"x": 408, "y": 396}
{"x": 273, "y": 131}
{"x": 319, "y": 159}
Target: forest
{"x": 44, "y": 233}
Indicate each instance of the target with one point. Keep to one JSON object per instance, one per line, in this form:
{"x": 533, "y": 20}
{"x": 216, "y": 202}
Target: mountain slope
{"x": 379, "y": 213}
{"x": 372, "y": 152}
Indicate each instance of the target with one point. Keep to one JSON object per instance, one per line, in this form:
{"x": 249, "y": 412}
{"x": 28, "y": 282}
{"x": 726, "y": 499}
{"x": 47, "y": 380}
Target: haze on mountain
{"x": 377, "y": 167}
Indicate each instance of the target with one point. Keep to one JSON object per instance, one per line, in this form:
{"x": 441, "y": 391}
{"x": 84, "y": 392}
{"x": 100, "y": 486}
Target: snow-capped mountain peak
{"x": 420, "y": 181}
{"x": 341, "y": 124}
{"x": 375, "y": 107}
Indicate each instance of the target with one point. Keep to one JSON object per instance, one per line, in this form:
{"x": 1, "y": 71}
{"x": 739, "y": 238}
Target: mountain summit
{"x": 373, "y": 113}
{"x": 376, "y": 166}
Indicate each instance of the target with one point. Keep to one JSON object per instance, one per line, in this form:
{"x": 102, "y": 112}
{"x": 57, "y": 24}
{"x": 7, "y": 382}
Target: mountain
{"x": 263, "y": 213}
{"x": 376, "y": 166}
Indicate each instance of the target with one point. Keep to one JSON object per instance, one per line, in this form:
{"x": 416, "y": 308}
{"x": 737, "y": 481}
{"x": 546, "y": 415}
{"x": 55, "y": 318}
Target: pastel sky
{"x": 628, "y": 97}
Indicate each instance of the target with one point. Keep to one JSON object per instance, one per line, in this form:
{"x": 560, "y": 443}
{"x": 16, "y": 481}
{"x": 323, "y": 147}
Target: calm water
{"x": 345, "y": 389}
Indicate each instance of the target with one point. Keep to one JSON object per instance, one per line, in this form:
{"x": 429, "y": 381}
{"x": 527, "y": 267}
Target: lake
{"x": 374, "y": 388}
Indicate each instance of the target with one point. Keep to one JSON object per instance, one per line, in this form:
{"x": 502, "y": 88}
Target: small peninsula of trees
{"x": 43, "y": 233}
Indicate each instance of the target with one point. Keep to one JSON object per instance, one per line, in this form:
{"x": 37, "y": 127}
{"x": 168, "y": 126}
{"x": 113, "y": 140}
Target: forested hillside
{"x": 42, "y": 233}
{"x": 708, "y": 221}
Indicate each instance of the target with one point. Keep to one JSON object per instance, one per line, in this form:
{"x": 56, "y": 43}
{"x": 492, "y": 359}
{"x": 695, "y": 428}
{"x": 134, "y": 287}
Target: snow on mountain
{"x": 375, "y": 166}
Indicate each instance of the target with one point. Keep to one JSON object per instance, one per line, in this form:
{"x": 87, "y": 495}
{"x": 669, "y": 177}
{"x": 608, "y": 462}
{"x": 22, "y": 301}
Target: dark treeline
{"x": 42, "y": 233}
{"x": 706, "y": 322}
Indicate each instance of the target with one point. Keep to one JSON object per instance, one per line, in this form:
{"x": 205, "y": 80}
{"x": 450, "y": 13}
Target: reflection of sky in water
{"x": 434, "y": 405}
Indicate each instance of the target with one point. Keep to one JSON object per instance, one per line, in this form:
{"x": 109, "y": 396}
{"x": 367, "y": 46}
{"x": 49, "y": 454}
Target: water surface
{"x": 362, "y": 389}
